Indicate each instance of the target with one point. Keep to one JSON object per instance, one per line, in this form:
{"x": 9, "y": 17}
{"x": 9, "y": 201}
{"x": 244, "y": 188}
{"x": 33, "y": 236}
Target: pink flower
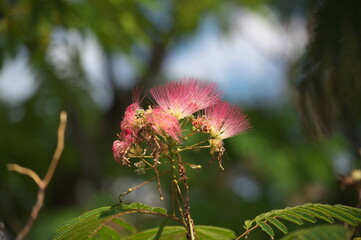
{"x": 163, "y": 123}
{"x": 132, "y": 120}
{"x": 221, "y": 121}
{"x": 224, "y": 120}
{"x": 129, "y": 127}
{"x": 120, "y": 149}
{"x": 181, "y": 99}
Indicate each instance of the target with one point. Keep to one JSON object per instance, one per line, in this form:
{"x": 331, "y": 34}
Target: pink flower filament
{"x": 225, "y": 121}
{"x": 181, "y": 99}
{"x": 163, "y": 123}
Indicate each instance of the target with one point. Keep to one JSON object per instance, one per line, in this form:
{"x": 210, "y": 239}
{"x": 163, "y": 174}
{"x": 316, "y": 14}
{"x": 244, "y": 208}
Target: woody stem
{"x": 187, "y": 214}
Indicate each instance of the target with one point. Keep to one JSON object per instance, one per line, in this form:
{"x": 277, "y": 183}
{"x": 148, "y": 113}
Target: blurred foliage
{"x": 329, "y": 82}
{"x": 336, "y": 232}
{"x": 274, "y": 166}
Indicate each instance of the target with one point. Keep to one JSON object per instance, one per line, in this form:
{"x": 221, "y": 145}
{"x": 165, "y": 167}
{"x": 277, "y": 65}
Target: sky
{"x": 249, "y": 63}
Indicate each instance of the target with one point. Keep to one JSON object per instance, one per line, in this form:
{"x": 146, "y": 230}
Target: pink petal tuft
{"x": 181, "y": 99}
{"x": 163, "y": 123}
{"x": 225, "y": 120}
{"x": 129, "y": 121}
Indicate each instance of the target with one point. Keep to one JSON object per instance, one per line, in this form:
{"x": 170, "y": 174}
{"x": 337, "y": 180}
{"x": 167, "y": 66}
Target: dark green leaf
{"x": 317, "y": 214}
{"x": 341, "y": 215}
{"x": 267, "y": 228}
{"x": 355, "y": 212}
{"x": 290, "y": 218}
{"x": 321, "y": 232}
{"x": 211, "y": 232}
{"x": 104, "y": 222}
{"x": 180, "y": 233}
{"x": 308, "y": 212}
{"x": 295, "y": 212}
{"x": 278, "y": 224}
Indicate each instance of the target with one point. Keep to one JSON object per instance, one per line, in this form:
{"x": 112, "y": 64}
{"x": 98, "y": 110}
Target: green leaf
{"x": 308, "y": 212}
{"x": 339, "y": 214}
{"x": 278, "y": 224}
{"x": 247, "y": 224}
{"x": 104, "y": 222}
{"x": 211, "y": 232}
{"x": 180, "y": 233}
{"x": 317, "y": 214}
{"x": 356, "y": 212}
{"x": 320, "y": 232}
{"x": 301, "y": 215}
{"x": 267, "y": 228}
{"x": 290, "y": 218}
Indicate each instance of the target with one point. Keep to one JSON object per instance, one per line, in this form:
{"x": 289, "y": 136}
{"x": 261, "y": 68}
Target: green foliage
{"x": 179, "y": 233}
{"x": 104, "y": 222}
{"x": 307, "y": 212}
{"x": 321, "y": 232}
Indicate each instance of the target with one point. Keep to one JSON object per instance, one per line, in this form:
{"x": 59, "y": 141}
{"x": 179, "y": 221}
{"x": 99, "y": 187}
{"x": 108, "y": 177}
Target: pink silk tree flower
{"x": 181, "y": 99}
{"x": 132, "y": 120}
{"x": 224, "y": 120}
{"x": 221, "y": 121}
{"x": 163, "y": 123}
{"x": 120, "y": 149}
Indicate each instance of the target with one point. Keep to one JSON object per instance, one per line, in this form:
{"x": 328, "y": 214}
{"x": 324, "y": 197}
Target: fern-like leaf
{"x": 104, "y": 222}
{"x": 267, "y": 228}
{"x": 278, "y": 224}
{"x": 180, "y": 233}
{"x": 320, "y": 232}
{"x": 307, "y": 212}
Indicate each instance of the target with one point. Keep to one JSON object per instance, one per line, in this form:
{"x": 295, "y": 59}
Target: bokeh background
{"x": 293, "y": 66}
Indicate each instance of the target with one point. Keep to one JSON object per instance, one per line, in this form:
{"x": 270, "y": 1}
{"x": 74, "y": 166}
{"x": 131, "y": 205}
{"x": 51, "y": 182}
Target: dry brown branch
{"x": 42, "y": 183}
{"x": 26, "y": 171}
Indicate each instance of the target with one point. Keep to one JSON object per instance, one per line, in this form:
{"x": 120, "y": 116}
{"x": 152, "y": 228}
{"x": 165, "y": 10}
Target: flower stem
{"x": 246, "y": 232}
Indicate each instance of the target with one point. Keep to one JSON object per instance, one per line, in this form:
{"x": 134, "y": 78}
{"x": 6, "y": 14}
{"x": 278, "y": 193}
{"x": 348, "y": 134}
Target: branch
{"x": 26, "y": 171}
{"x": 42, "y": 183}
{"x": 246, "y": 232}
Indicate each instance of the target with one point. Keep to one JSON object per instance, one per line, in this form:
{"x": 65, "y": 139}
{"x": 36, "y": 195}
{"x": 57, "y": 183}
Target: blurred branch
{"x": 25, "y": 171}
{"x": 42, "y": 183}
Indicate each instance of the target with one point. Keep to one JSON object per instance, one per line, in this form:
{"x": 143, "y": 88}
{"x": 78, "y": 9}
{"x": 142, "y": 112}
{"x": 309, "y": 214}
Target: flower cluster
{"x": 152, "y": 132}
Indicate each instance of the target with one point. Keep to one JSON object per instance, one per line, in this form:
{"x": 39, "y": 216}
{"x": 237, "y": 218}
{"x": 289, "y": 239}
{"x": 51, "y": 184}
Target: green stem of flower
{"x": 193, "y": 148}
{"x": 190, "y": 134}
{"x": 146, "y": 162}
{"x": 140, "y": 156}
{"x": 194, "y": 166}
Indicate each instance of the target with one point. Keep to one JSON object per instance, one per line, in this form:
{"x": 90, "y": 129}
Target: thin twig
{"x": 26, "y": 171}
{"x": 194, "y": 146}
{"x": 122, "y": 195}
{"x": 246, "y": 232}
{"x": 42, "y": 183}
